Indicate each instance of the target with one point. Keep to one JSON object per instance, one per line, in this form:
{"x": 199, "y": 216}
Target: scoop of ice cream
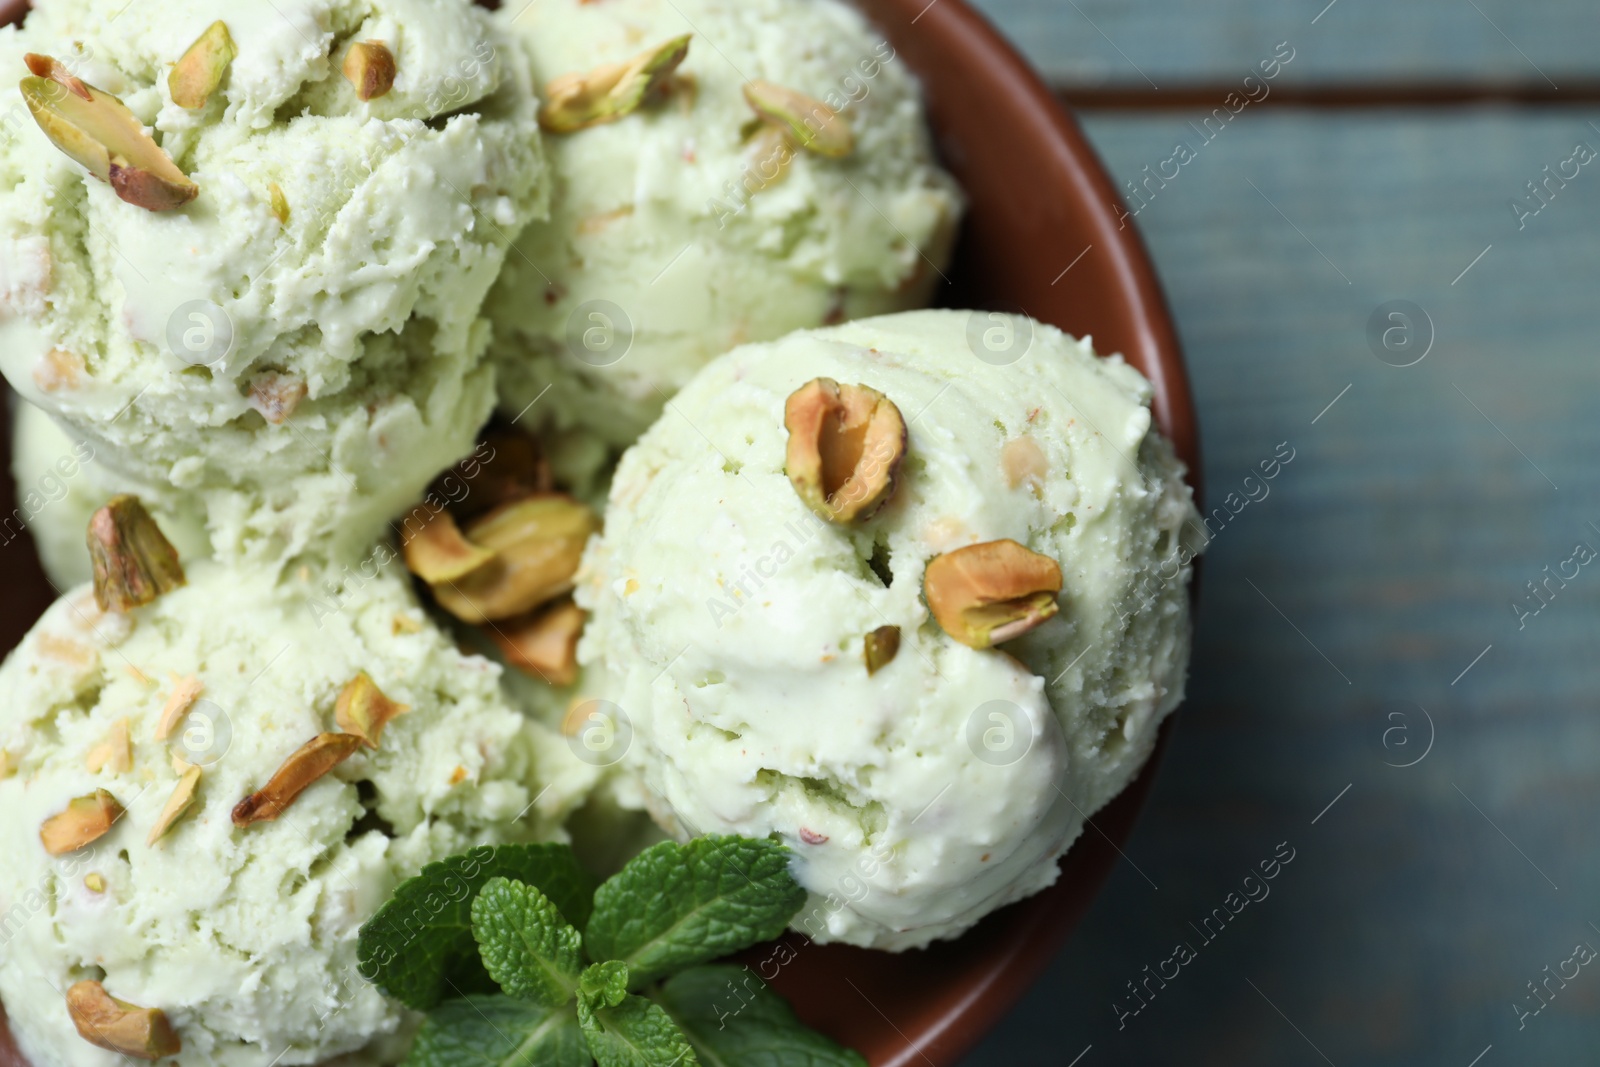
{"x": 688, "y": 226}
{"x": 244, "y": 937}
{"x": 304, "y": 334}
{"x": 729, "y": 621}
{"x": 58, "y": 487}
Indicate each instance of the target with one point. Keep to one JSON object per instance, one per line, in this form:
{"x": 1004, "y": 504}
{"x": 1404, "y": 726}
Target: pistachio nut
{"x": 132, "y": 559}
{"x": 810, "y": 123}
{"x": 363, "y": 710}
{"x": 369, "y": 66}
{"x": 846, "y": 444}
{"x": 99, "y": 132}
{"x": 201, "y": 69}
{"x": 47, "y": 67}
{"x": 545, "y": 643}
{"x": 86, "y": 820}
{"x": 177, "y": 804}
{"x": 278, "y": 202}
{"x": 184, "y": 693}
{"x": 577, "y": 101}
{"x": 117, "y": 1026}
{"x": 880, "y": 647}
{"x": 537, "y": 544}
{"x": 115, "y": 752}
{"x": 299, "y": 772}
{"x": 988, "y": 593}
{"x": 1023, "y": 461}
{"x": 435, "y": 549}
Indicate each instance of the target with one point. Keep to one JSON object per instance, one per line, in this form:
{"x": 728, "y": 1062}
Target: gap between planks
{"x": 1376, "y": 95}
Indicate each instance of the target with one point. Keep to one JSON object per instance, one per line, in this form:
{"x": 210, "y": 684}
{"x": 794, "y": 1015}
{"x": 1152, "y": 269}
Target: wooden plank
{"x": 1149, "y": 43}
{"x": 1383, "y": 564}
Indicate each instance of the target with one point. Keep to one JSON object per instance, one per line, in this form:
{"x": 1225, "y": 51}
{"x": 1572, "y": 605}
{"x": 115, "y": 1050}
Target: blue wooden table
{"x": 1397, "y": 665}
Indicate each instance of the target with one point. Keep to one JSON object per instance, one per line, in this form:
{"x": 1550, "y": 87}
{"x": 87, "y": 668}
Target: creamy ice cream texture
{"x": 729, "y": 621}
{"x": 687, "y": 227}
{"x": 59, "y": 486}
{"x": 245, "y": 938}
{"x": 300, "y": 346}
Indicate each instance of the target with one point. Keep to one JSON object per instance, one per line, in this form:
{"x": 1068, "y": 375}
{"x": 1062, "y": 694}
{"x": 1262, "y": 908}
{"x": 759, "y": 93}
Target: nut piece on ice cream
{"x": 243, "y": 938}
{"x": 369, "y": 66}
{"x": 114, "y": 1025}
{"x": 845, "y": 448}
{"x": 777, "y": 176}
{"x": 293, "y": 377}
{"x": 201, "y": 69}
{"x": 58, "y": 492}
{"x": 989, "y": 593}
{"x": 833, "y": 684}
{"x": 86, "y": 820}
{"x": 132, "y": 560}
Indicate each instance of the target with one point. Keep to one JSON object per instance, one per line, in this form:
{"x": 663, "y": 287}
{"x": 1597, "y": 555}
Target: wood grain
{"x": 1117, "y": 42}
{"x": 1385, "y": 559}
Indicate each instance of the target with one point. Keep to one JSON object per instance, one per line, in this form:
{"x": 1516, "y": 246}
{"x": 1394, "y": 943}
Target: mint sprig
{"x": 675, "y": 906}
{"x": 526, "y": 945}
{"x": 419, "y": 947}
{"x": 497, "y": 1031}
{"x": 731, "y": 1017}
{"x": 670, "y": 910}
{"x": 624, "y": 1030}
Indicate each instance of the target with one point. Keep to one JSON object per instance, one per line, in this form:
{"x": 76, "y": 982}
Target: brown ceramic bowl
{"x": 1039, "y": 202}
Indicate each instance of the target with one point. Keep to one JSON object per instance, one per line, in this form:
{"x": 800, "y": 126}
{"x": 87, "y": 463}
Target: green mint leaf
{"x": 633, "y": 1032}
{"x": 419, "y": 947}
{"x": 604, "y": 985}
{"x": 734, "y": 1019}
{"x": 525, "y": 943}
{"x": 499, "y": 1032}
{"x": 675, "y": 906}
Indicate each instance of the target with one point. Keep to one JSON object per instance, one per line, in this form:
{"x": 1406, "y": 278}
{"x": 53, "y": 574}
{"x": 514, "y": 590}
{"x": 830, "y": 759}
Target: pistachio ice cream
{"x": 795, "y": 609}
{"x": 59, "y": 484}
{"x": 271, "y": 305}
{"x": 683, "y": 221}
{"x": 243, "y": 936}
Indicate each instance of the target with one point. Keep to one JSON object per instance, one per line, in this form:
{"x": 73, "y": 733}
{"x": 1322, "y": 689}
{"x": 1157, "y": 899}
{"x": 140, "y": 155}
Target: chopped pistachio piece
{"x": 991, "y": 592}
{"x": 115, "y": 752}
{"x": 544, "y": 644}
{"x": 435, "y": 549}
{"x": 1023, "y": 461}
{"x": 299, "y": 772}
{"x": 94, "y": 883}
{"x": 47, "y": 67}
{"x": 184, "y": 693}
{"x": 577, "y": 101}
{"x": 880, "y": 647}
{"x": 180, "y": 801}
{"x": 369, "y": 66}
{"x": 86, "y": 820}
{"x": 117, "y": 1026}
{"x": 201, "y": 69}
{"x": 276, "y": 395}
{"x": 279, "y": 202}
{"x": 108, "y": 139}
{"x": 812, "y": 124}
{"x": 537, "y": 545}
{"x": 363, "y": 710}
{"x": 133, "y": 561}
{"x": 845, "y": 447}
